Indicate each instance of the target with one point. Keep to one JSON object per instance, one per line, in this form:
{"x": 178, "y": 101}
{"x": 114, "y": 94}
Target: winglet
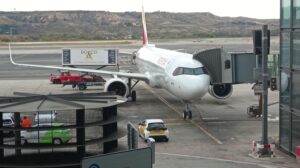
{"x": 10, "y": 55}
{"x": 145, "y": 36}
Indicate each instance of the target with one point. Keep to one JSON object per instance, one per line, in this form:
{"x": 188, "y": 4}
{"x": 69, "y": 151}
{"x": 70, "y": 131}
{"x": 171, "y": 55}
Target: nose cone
{"x": 196, "y": 87}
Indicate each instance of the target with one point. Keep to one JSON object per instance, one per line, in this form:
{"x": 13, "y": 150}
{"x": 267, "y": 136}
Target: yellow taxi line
{"x": 190, "y": 121}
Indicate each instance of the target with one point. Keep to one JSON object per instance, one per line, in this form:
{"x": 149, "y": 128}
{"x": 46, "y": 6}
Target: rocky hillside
{"x": 97, "y": 25}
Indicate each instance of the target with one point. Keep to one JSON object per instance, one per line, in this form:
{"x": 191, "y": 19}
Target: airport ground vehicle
{"x": 82, "y": 85}
{"x": 153, "y": 128}
{"x": 45, "y": 116}
{"x": 66, "y": 76}
{"x": 55, "y": 136}
{"x": 8, "y": 121}
{"x": 80, "y": 81}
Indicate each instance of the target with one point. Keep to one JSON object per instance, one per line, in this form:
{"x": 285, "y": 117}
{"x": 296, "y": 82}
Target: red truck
{"x": 82, "y": 81}
{"x": 67, "y": 77}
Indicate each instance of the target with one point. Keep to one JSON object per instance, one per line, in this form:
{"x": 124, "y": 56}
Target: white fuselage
{"x": 160, "y": 64}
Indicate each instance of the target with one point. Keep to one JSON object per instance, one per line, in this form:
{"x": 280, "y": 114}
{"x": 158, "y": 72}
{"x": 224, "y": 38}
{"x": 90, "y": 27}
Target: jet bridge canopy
{"x": 226, "y": 67}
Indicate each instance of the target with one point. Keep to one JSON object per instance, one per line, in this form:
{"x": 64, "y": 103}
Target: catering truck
{"x": 96, "y": 57}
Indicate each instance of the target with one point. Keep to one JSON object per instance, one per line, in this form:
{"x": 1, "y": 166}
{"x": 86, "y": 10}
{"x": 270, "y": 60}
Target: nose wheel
{"x": 187, "y": 113}
{"x": 133, "y": 96}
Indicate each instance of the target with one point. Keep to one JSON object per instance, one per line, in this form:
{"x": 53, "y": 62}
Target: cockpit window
{"x": 200, "y": 70}
{"x": 189, "y": 71}
{"x": 178, "y": 71}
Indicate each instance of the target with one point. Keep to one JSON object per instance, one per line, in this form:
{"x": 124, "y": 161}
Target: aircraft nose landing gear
{"x": 187, "y": 113}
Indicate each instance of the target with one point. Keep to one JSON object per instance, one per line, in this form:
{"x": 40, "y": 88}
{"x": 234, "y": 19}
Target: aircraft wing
{"x": 138, "y": 76}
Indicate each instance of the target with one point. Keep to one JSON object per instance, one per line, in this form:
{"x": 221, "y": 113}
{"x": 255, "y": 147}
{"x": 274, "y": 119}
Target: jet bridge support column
{"x": 266, "y": 149}
{"x": 263, "y": 148}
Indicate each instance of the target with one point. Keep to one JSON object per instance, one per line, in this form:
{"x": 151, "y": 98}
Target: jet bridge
{"x": 228, "y": 67}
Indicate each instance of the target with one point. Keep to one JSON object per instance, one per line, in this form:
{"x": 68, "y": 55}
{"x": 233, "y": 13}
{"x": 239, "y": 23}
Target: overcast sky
{"x": 248, "y": 8}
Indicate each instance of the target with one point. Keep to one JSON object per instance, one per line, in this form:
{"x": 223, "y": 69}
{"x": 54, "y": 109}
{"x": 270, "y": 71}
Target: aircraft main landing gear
{"x": 132, "y": 93}
{"x": 187, "y": 113}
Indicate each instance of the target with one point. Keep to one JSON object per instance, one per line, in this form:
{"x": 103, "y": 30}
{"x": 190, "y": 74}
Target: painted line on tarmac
{"x": 217, "y": 159}
{"x": 172, "y": 119}
{"x": 217, "y": 122}
{"x": 190, "y": 121}
{"x": 211, "y": 118}
{"x": 174, "y": 124}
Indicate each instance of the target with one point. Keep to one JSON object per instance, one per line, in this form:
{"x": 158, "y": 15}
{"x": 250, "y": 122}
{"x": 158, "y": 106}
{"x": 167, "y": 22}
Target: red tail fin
{"x": 145, "y": 36}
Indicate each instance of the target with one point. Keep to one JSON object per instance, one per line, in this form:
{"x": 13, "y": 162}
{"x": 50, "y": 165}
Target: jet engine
{"x": 116, "y": 85}
{"x": 220, "y": 91}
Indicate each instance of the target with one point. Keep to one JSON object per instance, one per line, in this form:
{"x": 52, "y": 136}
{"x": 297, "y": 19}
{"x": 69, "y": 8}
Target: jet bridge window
{"x": 189, "y": 71}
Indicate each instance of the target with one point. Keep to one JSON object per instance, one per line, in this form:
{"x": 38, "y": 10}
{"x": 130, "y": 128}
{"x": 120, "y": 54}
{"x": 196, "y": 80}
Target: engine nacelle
{"x": 220, "y": 91}
{"x": 117, "y": 85}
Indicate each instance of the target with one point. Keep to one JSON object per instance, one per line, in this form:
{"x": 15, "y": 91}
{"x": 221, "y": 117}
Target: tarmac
{"x": 219, "y": 135}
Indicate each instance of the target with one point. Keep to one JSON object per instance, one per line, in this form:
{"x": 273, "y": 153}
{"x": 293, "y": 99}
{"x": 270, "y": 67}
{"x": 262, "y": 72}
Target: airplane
{"x": 179, "y": 73}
